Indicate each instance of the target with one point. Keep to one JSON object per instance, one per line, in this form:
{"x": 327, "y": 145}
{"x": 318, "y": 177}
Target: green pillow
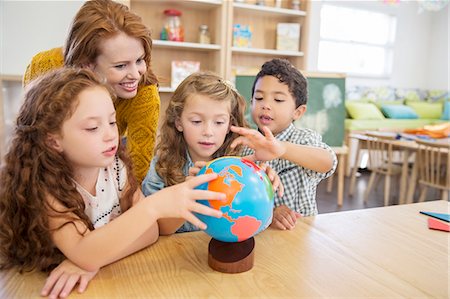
{"x": 426, "y": 110}
{"x": 358, "y": 110}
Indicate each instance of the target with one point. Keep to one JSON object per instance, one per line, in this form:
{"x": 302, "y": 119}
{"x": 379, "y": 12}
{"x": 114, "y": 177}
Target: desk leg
{"x": 330, "y": 183}
{"x": 354, "y": 170}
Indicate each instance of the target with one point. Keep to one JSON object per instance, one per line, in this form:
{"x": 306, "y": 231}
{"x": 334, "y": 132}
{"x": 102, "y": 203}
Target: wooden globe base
{"x": 231, "y": 257}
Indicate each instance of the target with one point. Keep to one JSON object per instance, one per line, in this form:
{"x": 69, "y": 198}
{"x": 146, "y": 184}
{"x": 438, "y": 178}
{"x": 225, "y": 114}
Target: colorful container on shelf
{"x": 173, "y": 29}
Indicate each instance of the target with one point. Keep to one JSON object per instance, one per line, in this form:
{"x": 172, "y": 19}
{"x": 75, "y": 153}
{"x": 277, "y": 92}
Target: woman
{"x": 108, "y": 38}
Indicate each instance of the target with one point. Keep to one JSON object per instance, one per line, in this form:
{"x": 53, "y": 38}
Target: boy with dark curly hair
{"x": 298, "y": 155}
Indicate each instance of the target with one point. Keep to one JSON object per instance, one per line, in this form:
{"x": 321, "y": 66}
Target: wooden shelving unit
{"x": 194, "y": 13}
{"x": 264, "y": 20}
{"x": 220, "y": 15}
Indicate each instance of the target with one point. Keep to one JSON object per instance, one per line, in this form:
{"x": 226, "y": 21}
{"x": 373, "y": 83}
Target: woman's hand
{"x": 274, "y": 179}
{"x": 63, "y": 279}
{"x": 284, "y": 218}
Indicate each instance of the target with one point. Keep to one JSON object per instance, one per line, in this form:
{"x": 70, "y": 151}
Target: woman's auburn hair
{"x": 33, "y": 173}
{"x": 172, "y": 148}
{"x": 98, "y": 20}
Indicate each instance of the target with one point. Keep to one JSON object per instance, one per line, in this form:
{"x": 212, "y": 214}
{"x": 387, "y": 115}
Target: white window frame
{"x": 387, "y": 46}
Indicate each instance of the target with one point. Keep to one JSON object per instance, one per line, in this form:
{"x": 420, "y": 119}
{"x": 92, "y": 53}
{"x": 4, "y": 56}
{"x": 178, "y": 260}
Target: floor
{"x": 327, "y": 202}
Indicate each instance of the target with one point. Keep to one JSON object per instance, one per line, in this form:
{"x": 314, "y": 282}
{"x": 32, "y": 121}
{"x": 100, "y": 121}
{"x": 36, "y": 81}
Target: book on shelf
{"x": 181, "y": 69}
{"x": 288, "y": 36}
{"x": 242, "y": 36}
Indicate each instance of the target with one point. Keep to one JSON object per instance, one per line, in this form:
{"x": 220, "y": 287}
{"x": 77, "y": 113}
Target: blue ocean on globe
{"x": 248, "y": 208}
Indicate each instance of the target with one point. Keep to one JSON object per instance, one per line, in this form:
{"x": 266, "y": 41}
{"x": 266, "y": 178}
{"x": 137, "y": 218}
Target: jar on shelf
{"x": 203, "y": 34}
{"x": 295, "y": 4}
{"x": 172, "y": 30}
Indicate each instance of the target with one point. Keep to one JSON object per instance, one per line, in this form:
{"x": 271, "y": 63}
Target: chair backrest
{"x": 434, "y": 163}
{"x": 379, "y": 148}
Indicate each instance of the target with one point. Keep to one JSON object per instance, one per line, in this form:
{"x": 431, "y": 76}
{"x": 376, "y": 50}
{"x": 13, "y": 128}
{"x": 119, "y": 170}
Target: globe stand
{"x": 231, "y": 257}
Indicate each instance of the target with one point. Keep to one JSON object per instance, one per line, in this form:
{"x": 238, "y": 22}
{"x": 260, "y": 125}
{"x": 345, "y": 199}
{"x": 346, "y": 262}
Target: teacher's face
{"x": 121, "y": 62}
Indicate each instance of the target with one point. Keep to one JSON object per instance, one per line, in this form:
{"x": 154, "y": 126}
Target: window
{"x": 357, "y": 42}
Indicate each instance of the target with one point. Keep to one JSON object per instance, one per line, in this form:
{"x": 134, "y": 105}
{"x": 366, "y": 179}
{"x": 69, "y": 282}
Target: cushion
{"x": 426, "y": 109}
{"x": 399, "y": 112}
{"x": 363, "y": 111}
{"x": 446, "y": 113}
{"x": 381, "y": 103}
{"x": 437, "y": 95}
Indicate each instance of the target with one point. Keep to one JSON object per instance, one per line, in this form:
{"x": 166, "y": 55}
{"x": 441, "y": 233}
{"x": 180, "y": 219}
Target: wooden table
{"x": 382, "y": 252}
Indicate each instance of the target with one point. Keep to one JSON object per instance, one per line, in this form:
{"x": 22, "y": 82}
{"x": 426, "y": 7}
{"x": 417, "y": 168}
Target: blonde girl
{"x": 196, "y": 129}
{"x": 66, "y": 186}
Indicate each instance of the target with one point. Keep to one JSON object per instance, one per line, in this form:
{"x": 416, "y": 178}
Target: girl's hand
{"x": 284, "y": 218}
{"x": 194, "y": 170}
{"x": 63, "y": 279}
{"x": 274, "y": 179}
{"x": 180, "y": 201}
{"x": 266, "y": 146}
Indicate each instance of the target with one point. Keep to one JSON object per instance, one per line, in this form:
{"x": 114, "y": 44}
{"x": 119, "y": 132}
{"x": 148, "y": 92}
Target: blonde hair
{"x": 33, "y": 171}
{"x": 171, "y": 148}
{"x": 102, "y": 19}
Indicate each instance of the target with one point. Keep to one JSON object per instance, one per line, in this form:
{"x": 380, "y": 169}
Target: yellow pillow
{"x": 426, "y": 110}
{"x": 358, "y": 110}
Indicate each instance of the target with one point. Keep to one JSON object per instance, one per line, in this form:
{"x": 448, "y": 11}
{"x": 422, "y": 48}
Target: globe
{"x": 248, "y": 207}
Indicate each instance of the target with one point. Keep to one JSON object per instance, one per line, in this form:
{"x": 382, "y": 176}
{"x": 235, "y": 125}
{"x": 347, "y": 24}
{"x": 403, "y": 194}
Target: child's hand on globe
{"x": 266, "y": 147}
{"x": 274, "y": 179}
{"x": 194, "y": 170}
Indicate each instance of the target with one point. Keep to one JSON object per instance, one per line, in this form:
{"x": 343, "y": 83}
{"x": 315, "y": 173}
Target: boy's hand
{"x": 63, "y": 279}
{"x": 274, "y": 179}
{"x": 284, "y": 218}
{"x": 266, "y": 146}
{"x": 194, "y": 170}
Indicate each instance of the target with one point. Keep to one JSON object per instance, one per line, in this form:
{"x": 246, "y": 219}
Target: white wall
{"x": 438, "y": 74}
{"x": 28, "y": 27}
{"x": 421, "y": 47}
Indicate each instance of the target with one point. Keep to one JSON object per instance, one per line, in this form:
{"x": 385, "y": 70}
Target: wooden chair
{"x": 381, "y": 155}
{"x": 433, "y": 160}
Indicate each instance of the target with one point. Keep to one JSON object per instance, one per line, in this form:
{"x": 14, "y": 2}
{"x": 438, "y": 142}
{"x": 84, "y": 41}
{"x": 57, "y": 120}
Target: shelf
{"x": 269, "y": 10}
{"x": 185, "y": 45}
{"x": 13, "y": 78}
{"x": 166, "y": 89}
{"x": 189, "y": 4}
{"x": 267, "y": 52}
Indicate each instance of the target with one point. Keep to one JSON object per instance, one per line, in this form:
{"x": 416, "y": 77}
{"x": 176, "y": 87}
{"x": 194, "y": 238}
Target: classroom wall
{"x": 421, "y": 58}
{"x": 28, "y": 27}
{"x": 421, "y": 50}
{"x": 438, "y": 71}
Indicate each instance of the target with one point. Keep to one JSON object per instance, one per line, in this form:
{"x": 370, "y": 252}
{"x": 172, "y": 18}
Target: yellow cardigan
{"x": 136, "y": 117}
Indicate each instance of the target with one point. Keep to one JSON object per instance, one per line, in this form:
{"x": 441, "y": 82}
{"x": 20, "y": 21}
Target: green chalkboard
{"x": 325, "y": 108}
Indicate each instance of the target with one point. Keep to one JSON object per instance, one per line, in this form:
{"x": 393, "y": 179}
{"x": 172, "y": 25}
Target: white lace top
{"x": 104, "y": 207}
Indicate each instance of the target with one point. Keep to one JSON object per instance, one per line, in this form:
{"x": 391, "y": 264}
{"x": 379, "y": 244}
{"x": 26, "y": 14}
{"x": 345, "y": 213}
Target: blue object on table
{"x": 440, "y": 216}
